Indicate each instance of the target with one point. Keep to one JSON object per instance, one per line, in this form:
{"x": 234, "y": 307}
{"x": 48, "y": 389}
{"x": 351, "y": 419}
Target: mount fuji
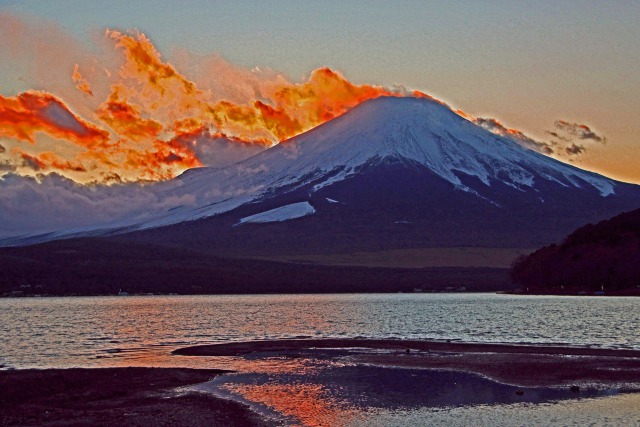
{"x": 392, "y": 173}
{"x": 396, "y": 194}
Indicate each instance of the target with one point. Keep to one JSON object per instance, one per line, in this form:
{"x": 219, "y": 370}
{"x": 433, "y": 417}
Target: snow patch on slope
{"x": 283, "y": 213}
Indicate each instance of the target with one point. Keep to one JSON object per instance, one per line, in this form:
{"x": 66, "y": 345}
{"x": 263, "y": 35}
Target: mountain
{"x": 604, "y": 256}
{"x": 393, "y": 174}
{"x": 396, "y": 194}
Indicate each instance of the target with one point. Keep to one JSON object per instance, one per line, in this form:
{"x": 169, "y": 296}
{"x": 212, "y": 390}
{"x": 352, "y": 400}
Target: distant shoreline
{"x": 632, "y": 292}
{"x": 629, "y": 292}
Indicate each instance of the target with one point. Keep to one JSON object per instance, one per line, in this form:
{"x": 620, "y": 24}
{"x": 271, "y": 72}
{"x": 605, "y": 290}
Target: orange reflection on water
{"x": 272, "y": 365}
{"x": 309, "y": 404}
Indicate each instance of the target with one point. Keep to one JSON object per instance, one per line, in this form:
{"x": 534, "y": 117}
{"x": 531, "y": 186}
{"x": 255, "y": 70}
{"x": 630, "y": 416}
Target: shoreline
{"x": 115, "y": 396}
{"x": 165, "y": 396}
{"x": 524, "y": 365}
{"x": 628, "y": 292}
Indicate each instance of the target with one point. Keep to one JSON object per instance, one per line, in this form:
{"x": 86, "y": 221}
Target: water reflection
{"x": 329, "y": 387}
{"x": 303, "y": 404}
{"x": 323, "y": 388}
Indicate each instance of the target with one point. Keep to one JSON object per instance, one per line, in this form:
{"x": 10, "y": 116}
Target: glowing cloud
{"x": 125, "y": 119}
{"x": 285, "y": 110}
{"x": 160, "y": 86}
{"x": 326, "y": 95}
{"x": 22, "y": 116}
{"x": 145, "y": 120}
{"x": 49, "y": 160}
{"x": 81, "y": 83}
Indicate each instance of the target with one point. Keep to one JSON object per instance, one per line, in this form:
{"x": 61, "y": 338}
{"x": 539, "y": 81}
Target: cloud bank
{"x": 47, "y": 203}
{"x": 126, "y": 113}
{"x": 124, "y": 110}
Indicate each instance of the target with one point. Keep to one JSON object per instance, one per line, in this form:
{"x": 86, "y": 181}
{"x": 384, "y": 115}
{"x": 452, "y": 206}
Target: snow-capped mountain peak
{"x": 415, "y": 132}
{"x": 410, "y": 129}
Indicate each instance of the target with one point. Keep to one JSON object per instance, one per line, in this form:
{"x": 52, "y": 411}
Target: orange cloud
{"x": 55, "y": 162}
{"x": 579, "y": 131}
{"x": 81, "y": 83}
{"x": 163, "y": 161}
{"x": 326, "y": 95}
{"x": 289, "y": 109}
{"x": 125, "y": 119}
{"x": 284, "y": 110}
{"x": 24, "y": 115}
{"x": 154, "y": 122}
{"x": 161, "y": 85}
{"x": 32, "y": 162}
{"x": 47, "y": 161}
{"x": 277, "y": 121}
{"x": 494, "y": 126}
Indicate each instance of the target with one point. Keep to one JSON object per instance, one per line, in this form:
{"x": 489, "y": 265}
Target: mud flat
{"x": 115, "y": 396}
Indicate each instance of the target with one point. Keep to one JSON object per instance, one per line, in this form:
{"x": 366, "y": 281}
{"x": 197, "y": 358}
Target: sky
{"x": 562, "y": 72}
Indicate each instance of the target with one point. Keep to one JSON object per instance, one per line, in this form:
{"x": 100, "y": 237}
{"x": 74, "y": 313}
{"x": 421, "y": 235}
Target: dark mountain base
{"x": 397, "y": 204}
{"x": 103, "y": 266}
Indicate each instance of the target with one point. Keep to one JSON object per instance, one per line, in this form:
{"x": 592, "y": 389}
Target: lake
{"x": 143, "y": 330}
{"x": 102, "y": 331}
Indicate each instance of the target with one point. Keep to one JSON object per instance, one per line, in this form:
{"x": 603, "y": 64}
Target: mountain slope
{"x": 417, "y": 131}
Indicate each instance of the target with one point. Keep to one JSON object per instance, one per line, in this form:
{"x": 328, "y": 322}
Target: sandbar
{"x": 526, "y": 365}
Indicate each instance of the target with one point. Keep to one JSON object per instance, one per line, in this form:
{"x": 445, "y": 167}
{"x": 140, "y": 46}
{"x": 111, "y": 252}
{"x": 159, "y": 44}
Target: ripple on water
{"x": 63, "y": 326}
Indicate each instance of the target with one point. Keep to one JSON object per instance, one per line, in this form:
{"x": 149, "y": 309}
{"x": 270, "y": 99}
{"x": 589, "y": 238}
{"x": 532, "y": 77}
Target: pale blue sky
{"x": 527, "y": 63}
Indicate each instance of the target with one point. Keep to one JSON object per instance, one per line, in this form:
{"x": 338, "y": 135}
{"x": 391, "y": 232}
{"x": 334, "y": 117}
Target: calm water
{"x": 319, "y": 390}
{"x": 90, "y": 331}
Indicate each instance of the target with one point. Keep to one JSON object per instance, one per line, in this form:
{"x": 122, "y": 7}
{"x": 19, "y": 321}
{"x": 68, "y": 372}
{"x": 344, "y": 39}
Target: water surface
{"x": 139, "y": 330}
{"x": 317, "y": 390}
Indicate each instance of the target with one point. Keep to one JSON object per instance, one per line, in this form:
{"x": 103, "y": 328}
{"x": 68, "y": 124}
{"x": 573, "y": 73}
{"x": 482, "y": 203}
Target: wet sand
{"x": 525, "y": 365}
{"x": 115, "y": 396}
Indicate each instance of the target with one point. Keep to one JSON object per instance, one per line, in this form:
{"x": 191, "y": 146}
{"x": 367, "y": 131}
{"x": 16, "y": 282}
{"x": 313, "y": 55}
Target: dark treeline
{"x": 103, "y": 266}
{"x": 605, "y": 256}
